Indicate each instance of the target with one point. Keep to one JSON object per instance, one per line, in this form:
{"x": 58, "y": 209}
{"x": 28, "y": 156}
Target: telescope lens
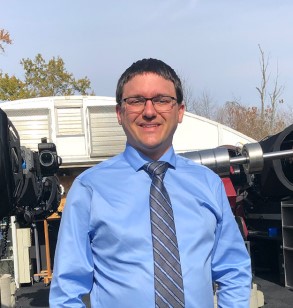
{"x": 46, "y": 159}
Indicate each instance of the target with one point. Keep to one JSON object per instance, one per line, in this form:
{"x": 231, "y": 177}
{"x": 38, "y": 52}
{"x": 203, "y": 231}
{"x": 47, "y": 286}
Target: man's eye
{"x": 136, "y": 101}
{"x": 162, "y": 100}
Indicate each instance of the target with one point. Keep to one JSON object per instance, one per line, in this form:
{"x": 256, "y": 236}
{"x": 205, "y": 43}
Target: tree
{"x": 257, "y": 122}
{"x": 251, "y": 121}
{"x": 42, "y": 79}
{"x": 288, "y": 115}
{"x": 274, "y": 95}
{"x": 11, "y": 88}
{"x": 4, "y": 38}
{"x": 203, "y": 105}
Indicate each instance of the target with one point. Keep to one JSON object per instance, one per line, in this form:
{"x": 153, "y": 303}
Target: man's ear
{"x": 181, "y": 109}
{"x": 118, "y": 113}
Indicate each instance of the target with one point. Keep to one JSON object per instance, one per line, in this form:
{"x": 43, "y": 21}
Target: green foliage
{"x": 42, "y": 79}
{"x": 11, "y": 88}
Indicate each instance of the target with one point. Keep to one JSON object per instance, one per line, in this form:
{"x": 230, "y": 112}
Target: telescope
{"x": 260, "y": 176}
{"x": 270, "y": 161}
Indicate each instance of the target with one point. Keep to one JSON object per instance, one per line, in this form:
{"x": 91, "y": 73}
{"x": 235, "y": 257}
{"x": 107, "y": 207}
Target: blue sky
{"x": 212, "y": 44}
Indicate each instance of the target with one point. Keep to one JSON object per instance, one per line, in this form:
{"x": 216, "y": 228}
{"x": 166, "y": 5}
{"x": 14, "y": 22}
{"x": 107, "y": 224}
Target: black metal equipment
{"x": 29, "y": 187}
{"x": 276, "y": 152}
{"x": 262, "y": 175}
{"x": 10, "y": 165}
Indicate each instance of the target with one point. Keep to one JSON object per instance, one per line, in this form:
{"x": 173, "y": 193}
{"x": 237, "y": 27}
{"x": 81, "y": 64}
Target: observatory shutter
{"x": 32, "y": 125}
{"x": 107, "y": 137}
{"x": 69, "y": 121}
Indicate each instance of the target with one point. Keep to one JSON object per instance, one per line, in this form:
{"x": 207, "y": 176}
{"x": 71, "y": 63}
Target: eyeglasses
{"x": 161, "y": 103}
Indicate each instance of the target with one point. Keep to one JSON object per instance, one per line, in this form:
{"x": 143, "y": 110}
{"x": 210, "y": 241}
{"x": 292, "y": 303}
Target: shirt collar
{"x": 136, "y": 159}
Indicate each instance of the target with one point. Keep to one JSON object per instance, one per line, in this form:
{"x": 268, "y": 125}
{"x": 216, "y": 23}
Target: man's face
{"x": 149, "y": 131}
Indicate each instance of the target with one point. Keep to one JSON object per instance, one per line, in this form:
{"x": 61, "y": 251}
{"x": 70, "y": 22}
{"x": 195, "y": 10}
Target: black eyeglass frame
{"x": 143, "y": 100}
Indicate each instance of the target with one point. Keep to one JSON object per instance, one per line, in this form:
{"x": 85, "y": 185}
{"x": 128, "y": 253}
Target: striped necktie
{"x": 167, "y": 269}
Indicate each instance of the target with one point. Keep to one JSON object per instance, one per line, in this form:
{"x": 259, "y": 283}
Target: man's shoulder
{"x": 104, "y": 167}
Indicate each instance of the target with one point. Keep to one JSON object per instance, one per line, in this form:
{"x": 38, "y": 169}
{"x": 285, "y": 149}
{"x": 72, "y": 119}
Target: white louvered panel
{"x": 69, "y": 121}
{"x": 32, "y": 125}
{"x": 107, "y": 137}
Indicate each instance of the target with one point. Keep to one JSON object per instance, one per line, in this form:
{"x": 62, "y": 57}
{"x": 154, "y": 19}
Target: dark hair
{"x": 149, "y": 66}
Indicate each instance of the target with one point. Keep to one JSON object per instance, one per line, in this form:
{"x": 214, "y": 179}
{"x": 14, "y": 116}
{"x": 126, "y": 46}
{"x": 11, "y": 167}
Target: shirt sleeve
{"x": 231, "y": 264}
{"x": 73, "y": 262}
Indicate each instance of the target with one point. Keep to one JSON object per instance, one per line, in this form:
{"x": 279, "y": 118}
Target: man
{"x": 111, "y": 242}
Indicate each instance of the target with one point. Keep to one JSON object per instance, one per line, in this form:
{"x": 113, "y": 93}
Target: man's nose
{"x": 149, "y": 109}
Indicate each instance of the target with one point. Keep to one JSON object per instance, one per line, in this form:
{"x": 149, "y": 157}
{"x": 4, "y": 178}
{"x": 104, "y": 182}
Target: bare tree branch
{"x": 262, "y": 90}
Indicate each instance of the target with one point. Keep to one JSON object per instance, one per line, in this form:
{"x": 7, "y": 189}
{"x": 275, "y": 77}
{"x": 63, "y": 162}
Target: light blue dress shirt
{"x": 105, "y": 245}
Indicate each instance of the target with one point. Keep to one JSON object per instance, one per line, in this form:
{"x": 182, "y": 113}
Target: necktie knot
{"x": 156, "y": 168}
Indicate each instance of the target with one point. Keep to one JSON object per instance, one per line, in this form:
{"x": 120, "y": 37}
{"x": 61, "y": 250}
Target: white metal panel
{"x": 198, "y": 133}
{"x": 23, "y": 245}
{"x": 107, "y": 137}
{"x": 195, "y": 134}
{"x": 31, "y": 124}
{"x": 71, "y": 147}
{"x": 68, "y": 101}
{"x": 69, "y": 121}
{"x": 231, "y": 137}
